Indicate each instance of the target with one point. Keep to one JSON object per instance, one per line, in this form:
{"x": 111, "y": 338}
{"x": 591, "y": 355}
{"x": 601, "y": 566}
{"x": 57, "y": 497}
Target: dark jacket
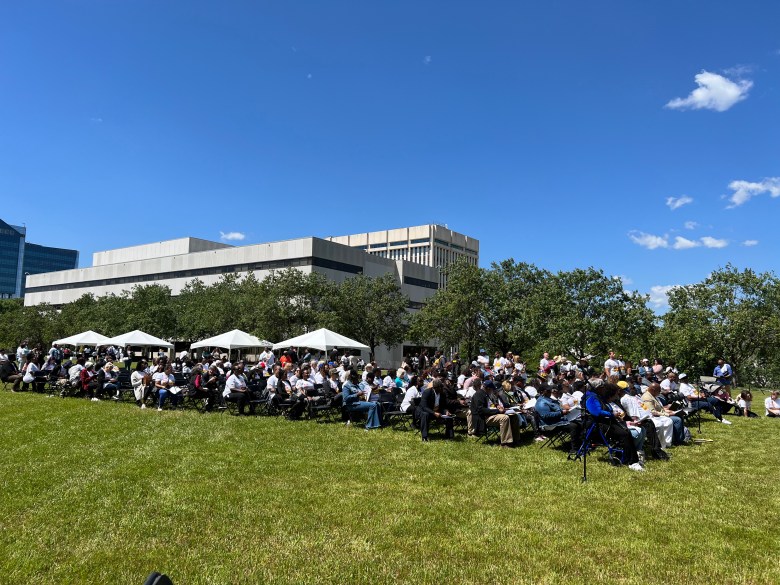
{"x": 428, "y": 402}
{"x": 480, "y": 410}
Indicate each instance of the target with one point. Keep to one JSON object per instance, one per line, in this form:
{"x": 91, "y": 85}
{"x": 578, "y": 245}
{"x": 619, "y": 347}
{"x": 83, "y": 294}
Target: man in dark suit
{"x": 486, "y": 410}
{"x": 433, "y": 407}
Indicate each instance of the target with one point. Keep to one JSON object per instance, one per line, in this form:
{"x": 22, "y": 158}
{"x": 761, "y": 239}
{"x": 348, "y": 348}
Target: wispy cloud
{"x": 710, "y": 242}
{"x": 715, "y": 92}
{"x": 681, "y": 243}
{"x": 750, "y": 243}
{"x": 677, "y": 202}
{"x": 626, "y": 280}
{"x": 653, "y": 242}
{"x": 691, "y": 225}
{"x": 427, "y": 60}
{"x": 739, "y": 71}
{"x": 659, "y": 295}
{"x": 744, "y": 191}
{"x": 96, "y": 120}
{"x": 649, "y": 241}
{"x": 232, "y": 236}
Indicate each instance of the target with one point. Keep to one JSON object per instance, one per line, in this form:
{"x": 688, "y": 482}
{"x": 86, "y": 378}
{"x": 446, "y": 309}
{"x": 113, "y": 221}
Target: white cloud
{"x": 710, "y": 242}
{"x": 715, "y": 92}
{"x": 626, "y": 280}
{"x": 744, "y": 191}
{"x": 681, "y": 243}
{"x": 96, "y": 120}
{"x": 427, "y": 60}
{"x": 691, "y": 225}
{"x": 750, "y": 243}
{"x": 739, "y": 71}
{"x": 231, "y": 236}
{"x": 649, "y": 241}
{"x": 659, "y": 295}
{"x": 677, "y": 202}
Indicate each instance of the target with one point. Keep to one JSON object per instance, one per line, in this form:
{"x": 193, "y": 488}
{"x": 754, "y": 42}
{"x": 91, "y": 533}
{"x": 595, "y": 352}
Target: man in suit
{"x": 433, "y": 407}
{"x": 486, "y": 410}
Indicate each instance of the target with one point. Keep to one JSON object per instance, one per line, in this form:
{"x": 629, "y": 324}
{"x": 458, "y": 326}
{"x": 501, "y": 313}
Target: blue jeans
{"x": 374, "y": 410}
{"x": 711, "y": 404}
{"x": 678, "y": 436}
{"x": 638, "y": 433}
{"x": 175, "y": 398}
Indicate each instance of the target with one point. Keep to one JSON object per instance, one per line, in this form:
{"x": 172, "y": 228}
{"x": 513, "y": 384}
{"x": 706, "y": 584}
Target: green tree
{"x": 731, "y": 314}
{"x": 371, "y": 310}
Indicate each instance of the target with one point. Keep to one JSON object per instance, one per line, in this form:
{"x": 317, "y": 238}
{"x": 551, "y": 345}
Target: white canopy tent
{"x": 235, "y": 339}
{"x": 138, "y": 339}
{"x": 85, "y": 338}
{"x": 322, "y": 339}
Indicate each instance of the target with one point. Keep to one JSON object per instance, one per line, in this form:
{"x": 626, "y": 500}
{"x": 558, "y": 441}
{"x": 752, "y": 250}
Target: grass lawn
{"x": 105, "y": 493}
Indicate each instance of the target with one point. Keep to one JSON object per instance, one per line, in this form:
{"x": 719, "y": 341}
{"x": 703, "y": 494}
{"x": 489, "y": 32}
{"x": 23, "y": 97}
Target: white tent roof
{"x": 322, "y": 339}
{"x": 85, "y": 338}
{"x": 231, "y": 340}
{"x": 138, "y": 338}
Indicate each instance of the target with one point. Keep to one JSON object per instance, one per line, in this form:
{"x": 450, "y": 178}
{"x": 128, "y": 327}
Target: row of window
{"x": 195, "y": 273}
{"x": 420, "y": 282}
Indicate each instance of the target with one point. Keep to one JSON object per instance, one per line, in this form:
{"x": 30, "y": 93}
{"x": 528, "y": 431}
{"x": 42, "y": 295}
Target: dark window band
{"x": 420, "y": 282}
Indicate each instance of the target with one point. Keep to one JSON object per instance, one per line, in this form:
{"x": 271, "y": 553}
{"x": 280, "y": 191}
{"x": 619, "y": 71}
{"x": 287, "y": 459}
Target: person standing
{"x": 724, "y": 375}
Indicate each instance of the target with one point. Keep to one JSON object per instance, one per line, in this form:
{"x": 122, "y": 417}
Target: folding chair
{"x": 554, "y": 434}
{"x": 595, "y": 437}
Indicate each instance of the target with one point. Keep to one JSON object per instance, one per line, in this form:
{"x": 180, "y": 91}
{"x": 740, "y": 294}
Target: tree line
{"x": 510, "y": 306}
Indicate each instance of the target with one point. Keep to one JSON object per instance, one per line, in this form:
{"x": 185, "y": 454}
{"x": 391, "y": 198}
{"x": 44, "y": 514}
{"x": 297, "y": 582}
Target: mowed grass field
{"x": 105, "y": 493}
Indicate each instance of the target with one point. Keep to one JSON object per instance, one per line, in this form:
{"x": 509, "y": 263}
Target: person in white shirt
{"x": 268, "y": 358}
{"x": 322, "y": 374}
{"x": 669, "y": 385}
{"x": 544, "y": 362}
{"x": 664, "y": 426}
{"x": 164, "y": 382}
{"x": 612, "y": 365}
{"x": 412, "y": 394}
{"x": 698, "y": 401}
{"x": 137, "y": 382}
{"x": 772, "y": 404}
{"x": 236, "y": 390}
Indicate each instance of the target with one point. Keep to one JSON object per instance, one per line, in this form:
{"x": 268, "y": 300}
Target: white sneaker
{"x": 725, "y": 422}
{"x": 143, "y": 406}
{"x": 95, "y": 400}
{"x": 159, "y": 410}
{"x": 636, "y": 467}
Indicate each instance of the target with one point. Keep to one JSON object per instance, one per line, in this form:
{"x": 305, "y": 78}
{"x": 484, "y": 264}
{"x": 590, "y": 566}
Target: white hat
{"x": 683, "y": 376}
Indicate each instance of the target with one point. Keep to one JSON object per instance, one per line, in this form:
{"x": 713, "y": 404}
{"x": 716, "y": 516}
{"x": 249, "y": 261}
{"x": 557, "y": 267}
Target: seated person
{"x": 10, "y": 374}
{"x": 237, "y": 390}
{"x": 433, "y": 407}
{"x": 595, "y": 403}
{"x": 772, "y": 404}
{"x": 631, "y": 402}
{"x": 486, "y": 410}
{"x": 107, "y": 382}
{"x": 354, "y": 394}
{"x": 700, "y": 401}
{"x": 138, "y": 380}
{"x": 33, "y": 374}
{"x": 656, "y": 409}
{"x": 88, "y": 380}
{"x": 551, "y": 412}
{"x": 637, "y": 432}
{"x": 411, "y": 396}
{"x": 744, "y": 402}
{"x": 164, "y": 382}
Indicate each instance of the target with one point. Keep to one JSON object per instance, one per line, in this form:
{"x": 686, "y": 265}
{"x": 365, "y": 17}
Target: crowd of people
{"x": 642, "y": 410}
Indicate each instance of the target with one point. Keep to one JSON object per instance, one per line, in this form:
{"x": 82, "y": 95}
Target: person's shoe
{"x": 641, "y": 456}
{"x": 159, "y": 409}
{"x": 115, "y": 397}
{"x": 540, "y": 438}
{"x": 425, "y": 439}
{"x": 662, "y": 455}
{"x": 725, "y": 422}
{"x": 95, "y": 399}
{"x": 636, "y": 467}
{"x": 143, "y": 406}
{"x": 506, "y": 446}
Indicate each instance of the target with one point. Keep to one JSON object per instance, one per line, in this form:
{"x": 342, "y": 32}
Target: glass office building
{"x": 18, "y": 258}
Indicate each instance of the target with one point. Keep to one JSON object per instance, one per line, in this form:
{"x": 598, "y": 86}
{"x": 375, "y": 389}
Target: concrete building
{"x": 18, "y": 258}
{"x": 173, "y": 263}
{"x": 432, "y": 245}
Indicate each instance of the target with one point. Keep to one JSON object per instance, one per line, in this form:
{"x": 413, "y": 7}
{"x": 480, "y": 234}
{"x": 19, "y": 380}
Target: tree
{"x": 731, "y": 314}
{"x": 151, "y": 309}
{"x": 455, "y": 316}
{"x": 371, "y": 310}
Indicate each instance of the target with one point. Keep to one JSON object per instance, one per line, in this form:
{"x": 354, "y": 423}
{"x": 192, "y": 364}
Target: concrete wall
{"x": 155, "y": 250}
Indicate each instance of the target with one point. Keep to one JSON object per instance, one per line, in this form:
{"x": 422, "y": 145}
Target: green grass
{"x": 105, "y": 493}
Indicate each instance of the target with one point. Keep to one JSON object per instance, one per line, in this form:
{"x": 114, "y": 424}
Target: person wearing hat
{"x": 645, "y": 371}
{"x": 699, "y": 401}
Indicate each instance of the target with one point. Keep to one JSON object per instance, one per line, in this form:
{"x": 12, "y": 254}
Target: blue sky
{"x": 641, "y": 138}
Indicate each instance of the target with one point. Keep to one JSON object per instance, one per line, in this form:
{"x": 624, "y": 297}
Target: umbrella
{"x": 85, "y": 338}
{"x": 322, "y": 339}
